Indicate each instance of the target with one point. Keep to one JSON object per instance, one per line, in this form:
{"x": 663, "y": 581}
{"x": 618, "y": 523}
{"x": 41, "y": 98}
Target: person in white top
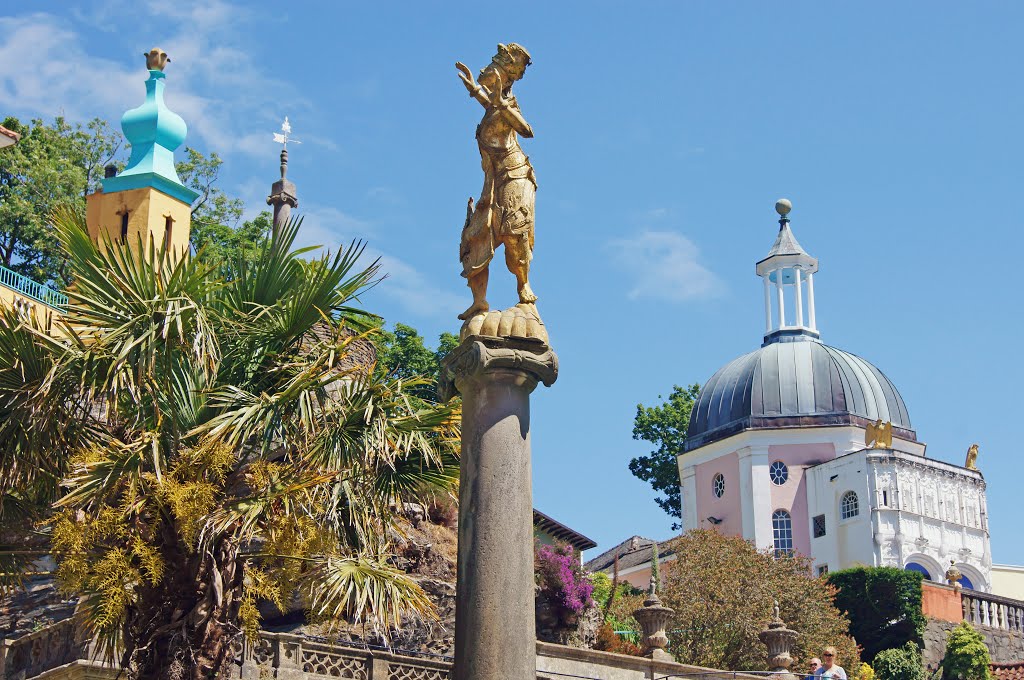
{"x": 829, "y": 668}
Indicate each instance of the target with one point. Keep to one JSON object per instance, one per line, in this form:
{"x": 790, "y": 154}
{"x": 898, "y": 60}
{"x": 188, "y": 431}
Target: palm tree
{"x": 220, "y": 444}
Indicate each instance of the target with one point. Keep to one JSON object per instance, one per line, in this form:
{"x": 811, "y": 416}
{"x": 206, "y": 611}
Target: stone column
{"x": 495, "y": 635}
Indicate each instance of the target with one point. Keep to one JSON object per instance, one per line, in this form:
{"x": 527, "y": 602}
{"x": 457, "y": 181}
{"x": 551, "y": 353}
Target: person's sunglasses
{"x": 826, "y": 655}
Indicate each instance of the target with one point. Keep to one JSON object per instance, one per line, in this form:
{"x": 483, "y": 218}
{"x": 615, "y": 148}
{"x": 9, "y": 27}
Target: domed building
{"x": 801, "y": 446}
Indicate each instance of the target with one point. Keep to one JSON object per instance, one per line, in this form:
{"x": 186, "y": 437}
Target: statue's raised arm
{"x": 504, "y": 215}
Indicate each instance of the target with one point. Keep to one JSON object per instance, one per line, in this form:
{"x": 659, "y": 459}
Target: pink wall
{"x": 792, "y": 495}
{"x": 727, "y": 508}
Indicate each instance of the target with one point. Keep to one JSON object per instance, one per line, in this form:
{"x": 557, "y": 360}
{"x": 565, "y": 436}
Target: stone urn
{"x": 653, "y": 618}
{"x": 953, "y": 576}
{"x": 779, "y": 641}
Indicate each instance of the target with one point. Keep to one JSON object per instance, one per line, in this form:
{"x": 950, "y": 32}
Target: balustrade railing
{"x": 284, "y": 655}
{"x": 40, "y": 651}
{"x": 985, "y": 609}
{"x": 32, "y": 289}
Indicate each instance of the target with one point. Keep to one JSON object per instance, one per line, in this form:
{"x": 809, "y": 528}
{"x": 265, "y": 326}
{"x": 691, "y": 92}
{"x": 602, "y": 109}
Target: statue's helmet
{"x": 511, "y": 59}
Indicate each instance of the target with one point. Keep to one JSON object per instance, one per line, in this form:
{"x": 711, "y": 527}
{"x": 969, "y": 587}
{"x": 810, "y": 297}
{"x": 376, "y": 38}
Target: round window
{"x": 778, "y": 472}
{"x": 718, "y": 485}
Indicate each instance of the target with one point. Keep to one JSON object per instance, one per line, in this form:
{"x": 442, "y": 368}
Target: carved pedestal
{"x": 495, "y": 636}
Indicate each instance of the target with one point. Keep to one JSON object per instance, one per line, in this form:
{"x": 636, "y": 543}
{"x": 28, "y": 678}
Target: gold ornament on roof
{"x": 878, "y": 435}
{"x": 972, "y": 458}
{"x": 156, "y": 59}
{"x": 504, "y": 214}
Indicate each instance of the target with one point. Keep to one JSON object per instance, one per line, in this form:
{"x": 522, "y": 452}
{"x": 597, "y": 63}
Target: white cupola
{"x": 789, "y": 313}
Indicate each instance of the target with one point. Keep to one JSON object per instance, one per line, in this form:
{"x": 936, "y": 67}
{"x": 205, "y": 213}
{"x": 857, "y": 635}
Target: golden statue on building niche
{"x": 504, "y": 215}
{"x": 878, "y": 435}
{"x": 972, "y": 458}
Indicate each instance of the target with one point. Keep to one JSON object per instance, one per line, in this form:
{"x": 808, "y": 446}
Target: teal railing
{"x": 31, "y": 289}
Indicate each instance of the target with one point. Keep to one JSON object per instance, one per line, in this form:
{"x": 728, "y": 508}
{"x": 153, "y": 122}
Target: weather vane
{"x": 283, "y": 137}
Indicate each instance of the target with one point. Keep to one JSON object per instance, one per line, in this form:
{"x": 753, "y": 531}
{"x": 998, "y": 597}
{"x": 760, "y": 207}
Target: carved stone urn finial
{"x": 653, "y": 617}
{"x": 779, "y": 641}
{"x": 953, "y": 576}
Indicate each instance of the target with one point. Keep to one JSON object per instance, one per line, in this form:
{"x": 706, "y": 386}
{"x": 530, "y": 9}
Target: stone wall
{"x": 1004, "y": 646}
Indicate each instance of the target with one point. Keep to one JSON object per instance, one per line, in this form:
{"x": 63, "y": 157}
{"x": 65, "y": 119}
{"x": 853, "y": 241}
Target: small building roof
{"x": 1008, "y": 671}
{"x": 8, "y": 137}
{"x": 561, "y": 532}
{"x": 633, "y": 552}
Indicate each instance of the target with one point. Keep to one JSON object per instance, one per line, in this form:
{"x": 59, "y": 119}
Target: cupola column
{"x": 799, "y": 298}
{"x": 767, "y": 306}
{"x": 779, "y": 274}
{"x": 811, "y": 321}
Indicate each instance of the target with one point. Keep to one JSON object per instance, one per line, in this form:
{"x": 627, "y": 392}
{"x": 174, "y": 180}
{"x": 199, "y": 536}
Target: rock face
{"x": 1004, "y": 646}
{"x": 34, "y": 607}
{"x": 583, "y": 634}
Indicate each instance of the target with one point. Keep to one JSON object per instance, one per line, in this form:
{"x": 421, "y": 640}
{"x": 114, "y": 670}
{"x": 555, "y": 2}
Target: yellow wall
{"x": 45, "y": 314}
{"x": 148, "y": 210}
{"x": 1008, "y": 581}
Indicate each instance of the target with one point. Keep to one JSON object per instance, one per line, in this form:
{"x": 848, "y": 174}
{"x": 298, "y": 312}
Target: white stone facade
{"x": 910, "y": 510}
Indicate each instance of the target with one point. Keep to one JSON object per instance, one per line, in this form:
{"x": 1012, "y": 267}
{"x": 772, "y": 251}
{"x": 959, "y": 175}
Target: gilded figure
{"x": 972, "y": 458}
{"x": 878, "y": 435}
{"x": 504, "y": 214}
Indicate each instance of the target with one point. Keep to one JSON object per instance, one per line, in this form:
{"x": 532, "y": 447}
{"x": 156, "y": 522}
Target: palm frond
{"x": 360, "y": 589}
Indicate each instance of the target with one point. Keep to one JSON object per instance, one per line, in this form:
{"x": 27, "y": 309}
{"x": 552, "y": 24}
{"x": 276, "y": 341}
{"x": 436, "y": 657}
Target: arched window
{"x": 849, "y": 506}
{"x": 718, "y": 485}
{"x": 782, "y": 529}
{"x": 778, "y": 472}
{"x": 914, "y": 566}
{"x": 966, "y": 582}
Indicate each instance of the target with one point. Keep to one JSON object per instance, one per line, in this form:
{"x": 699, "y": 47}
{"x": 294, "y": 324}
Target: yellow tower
{"x": 146, "y": 200}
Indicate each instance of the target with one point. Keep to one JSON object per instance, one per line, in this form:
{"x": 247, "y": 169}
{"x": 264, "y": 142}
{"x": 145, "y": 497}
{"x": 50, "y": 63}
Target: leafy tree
{"x": 664, "y": 426}
{"x": 403, "y": 354}
{"x": 53, "y": 164}
{"x": 967, "y": 657}
{"x": 884, "y": 606}
{"x": 723, "y": 590}
{"x": 215, "y": 215}
{"x": 216, "y": 447}
{"x": 900, "y": 663}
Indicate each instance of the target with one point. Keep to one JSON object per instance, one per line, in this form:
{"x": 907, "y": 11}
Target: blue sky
{"x": 664, "y": 134}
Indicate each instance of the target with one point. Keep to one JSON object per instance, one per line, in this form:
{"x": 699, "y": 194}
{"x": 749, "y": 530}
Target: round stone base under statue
{"x": 521, "y": 321}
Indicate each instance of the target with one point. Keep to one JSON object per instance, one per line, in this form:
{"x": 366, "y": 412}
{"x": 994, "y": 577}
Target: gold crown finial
{"x": 156, "y": 59}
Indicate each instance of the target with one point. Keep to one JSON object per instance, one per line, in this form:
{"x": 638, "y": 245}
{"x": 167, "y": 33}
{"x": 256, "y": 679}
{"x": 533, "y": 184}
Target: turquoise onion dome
{"x": 154, "y": 132}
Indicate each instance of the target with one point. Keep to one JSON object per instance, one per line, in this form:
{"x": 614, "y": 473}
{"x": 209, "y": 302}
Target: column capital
{"x": 525, "y": 361}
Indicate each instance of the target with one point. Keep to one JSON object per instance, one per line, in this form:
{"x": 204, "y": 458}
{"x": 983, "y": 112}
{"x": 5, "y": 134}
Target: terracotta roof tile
{"x": 1008, "y": 671}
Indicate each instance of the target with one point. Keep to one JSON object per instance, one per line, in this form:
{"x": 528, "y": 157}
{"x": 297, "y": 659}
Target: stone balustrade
{"x": 293, "y": 657}
{"x": 54, "y": 653}
{"x": 986, "y": 609}
{"x": 40, "y": 651}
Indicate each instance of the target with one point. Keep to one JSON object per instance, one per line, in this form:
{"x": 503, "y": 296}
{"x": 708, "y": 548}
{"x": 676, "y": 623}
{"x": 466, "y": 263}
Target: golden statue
{"x": 504, "y": 215}
{"x": 878, "y": 435}
{"x": 156, "y": 59}
{"x": 972, "y": 458}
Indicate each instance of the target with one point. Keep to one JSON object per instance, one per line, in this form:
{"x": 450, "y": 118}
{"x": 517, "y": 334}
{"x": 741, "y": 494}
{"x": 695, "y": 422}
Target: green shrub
{"x": 967, "y": 656}
{"x": 884, "y": 606}
{"x": 901, "y": 663}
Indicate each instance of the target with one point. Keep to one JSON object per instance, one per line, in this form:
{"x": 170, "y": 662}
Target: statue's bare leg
{"x": 517, "y": 258}
{"x": 478, "y": 286}
{"x": 526, "y": 294}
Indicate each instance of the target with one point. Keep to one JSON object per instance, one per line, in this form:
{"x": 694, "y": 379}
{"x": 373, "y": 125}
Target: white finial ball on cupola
{"x": 783, "y": 206}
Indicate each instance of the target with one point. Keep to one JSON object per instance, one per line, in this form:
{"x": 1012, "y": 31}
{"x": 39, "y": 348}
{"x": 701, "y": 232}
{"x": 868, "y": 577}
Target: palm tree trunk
{"x": 186, "y": 627}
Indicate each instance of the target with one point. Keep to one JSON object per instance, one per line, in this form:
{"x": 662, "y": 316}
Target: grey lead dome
{"x": 801, "y": 383}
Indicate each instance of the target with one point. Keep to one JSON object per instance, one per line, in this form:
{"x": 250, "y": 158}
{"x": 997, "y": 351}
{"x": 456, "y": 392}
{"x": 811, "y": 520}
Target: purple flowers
{"x": 562, "y": 580}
